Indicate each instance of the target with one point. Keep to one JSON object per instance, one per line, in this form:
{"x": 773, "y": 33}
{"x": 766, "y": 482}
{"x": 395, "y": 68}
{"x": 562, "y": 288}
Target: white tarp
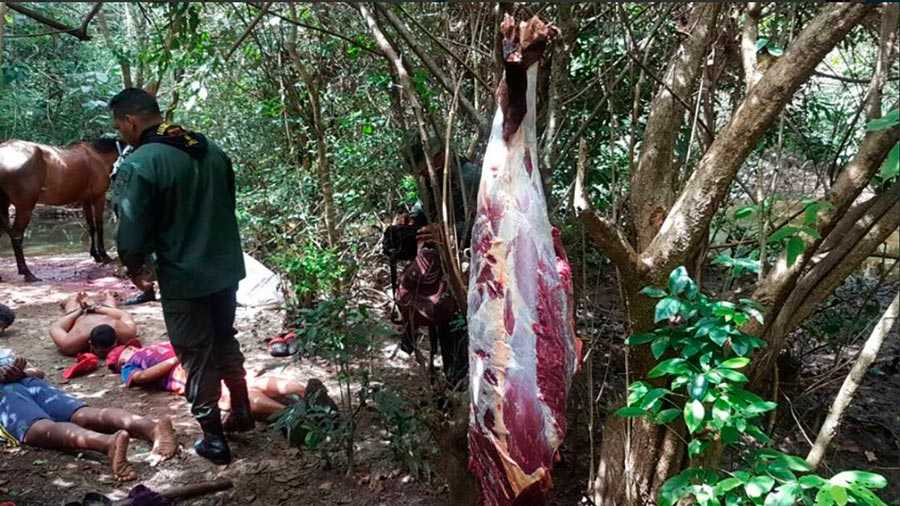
{"x": 261, "y": 287}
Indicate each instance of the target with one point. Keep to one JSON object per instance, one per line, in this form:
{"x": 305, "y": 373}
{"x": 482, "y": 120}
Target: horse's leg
{"x": 4, "y": 216}
{"x": 99, "y": 207}
{"x": 88, "y": 208}
{"x": 23, "y": 217}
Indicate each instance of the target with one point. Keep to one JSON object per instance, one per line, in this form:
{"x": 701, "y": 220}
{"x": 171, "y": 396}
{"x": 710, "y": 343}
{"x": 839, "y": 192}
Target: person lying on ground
{"x": 157, "y": 367}
{"x": 7, "y": 317}
{"x": 91, "y": 325}
{"x": 38, "y": 414}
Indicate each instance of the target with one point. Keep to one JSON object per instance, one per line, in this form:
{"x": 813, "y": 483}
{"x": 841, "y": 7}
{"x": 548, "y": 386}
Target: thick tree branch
{"x": 850, "y": 183}
{"x": 607, "y": 236}
{"x": 652, "y": 189}
{"x": 689, "y": 217}
{"x": 890, "y": 16}
{"x": 749, "y": 36}
{"x": 881, "y": 220}
{"x": 432, "y": 66}
{"x": 79, "y": 33}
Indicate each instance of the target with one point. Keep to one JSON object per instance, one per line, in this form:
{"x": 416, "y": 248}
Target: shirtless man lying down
{"x": 93, "y": 325}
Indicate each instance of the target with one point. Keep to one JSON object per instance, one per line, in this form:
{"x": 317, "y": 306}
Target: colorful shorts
{"x": 28, "y": 400}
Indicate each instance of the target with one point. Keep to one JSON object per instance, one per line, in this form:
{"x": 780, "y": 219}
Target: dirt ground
{"x": 265, "y": 471}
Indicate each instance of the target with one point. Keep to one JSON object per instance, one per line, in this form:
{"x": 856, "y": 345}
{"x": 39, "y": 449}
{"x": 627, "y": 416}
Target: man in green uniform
{"x": 176, "y": 199}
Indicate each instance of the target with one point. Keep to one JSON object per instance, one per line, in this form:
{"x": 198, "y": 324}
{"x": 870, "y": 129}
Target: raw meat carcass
{"x": 522, "y": 345}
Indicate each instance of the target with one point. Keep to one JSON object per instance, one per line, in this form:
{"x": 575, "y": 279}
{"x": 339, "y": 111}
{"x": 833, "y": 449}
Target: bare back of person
{"x": 83, "y": 314}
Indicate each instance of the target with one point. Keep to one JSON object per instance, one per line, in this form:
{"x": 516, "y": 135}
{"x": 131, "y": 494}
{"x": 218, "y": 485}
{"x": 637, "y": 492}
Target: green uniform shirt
{"x": 183, "y": 210}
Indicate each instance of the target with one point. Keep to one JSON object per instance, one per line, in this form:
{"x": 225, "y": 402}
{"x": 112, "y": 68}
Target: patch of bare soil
{"x": 265, "y": 471}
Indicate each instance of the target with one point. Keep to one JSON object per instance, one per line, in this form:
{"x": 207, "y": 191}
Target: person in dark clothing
{"x": 421, "y": 291}
{"x": 177, "y": 201}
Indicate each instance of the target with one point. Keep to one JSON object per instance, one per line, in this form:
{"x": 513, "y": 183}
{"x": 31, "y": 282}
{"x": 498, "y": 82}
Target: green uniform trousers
{"x": 203, "y": 336}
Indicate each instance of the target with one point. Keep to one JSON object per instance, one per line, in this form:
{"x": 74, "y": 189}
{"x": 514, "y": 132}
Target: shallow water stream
{"x": 55, "y": 236}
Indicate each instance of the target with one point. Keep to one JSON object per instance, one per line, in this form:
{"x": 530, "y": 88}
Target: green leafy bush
{"x": 343, "y": 334}
{"x": 313, "y": 271}
{"x": 407, "y": 435}
{"x": 705, "y": 389}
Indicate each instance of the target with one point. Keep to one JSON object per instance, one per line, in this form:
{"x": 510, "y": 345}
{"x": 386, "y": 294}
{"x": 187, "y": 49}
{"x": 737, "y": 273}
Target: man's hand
{"x": 142, "y": 282}
{"x": 13, "y": 372}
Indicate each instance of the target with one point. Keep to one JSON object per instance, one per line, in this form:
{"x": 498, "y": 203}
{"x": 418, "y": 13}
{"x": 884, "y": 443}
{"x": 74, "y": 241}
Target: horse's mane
{"x": 100, "y": 144}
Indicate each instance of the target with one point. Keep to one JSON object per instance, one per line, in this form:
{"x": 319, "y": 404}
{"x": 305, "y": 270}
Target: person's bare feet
{"x": 118, "y": 457}
{"x": 164, "y": 443}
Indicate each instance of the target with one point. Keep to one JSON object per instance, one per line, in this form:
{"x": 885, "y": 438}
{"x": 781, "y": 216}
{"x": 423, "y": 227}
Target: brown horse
{"x": 33, "y": 173}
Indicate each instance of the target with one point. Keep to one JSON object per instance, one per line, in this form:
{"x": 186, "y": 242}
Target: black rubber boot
{"x": 213, "y": 446}
{"x": 239, "y": 419}
{"x": 148, "y": 296}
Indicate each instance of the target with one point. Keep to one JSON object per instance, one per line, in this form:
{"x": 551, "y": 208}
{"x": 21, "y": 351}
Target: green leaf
{"x": 693, "y": 415}
{"x": 811, "y": 232}
{"x": 696, "y": 447}
{"x": 718, "y": 335}
{"x": 740, "y": 345}
{"x": 637, "y": 391}
{"x": 667, "y": 416}
{"x": 667, "y": 308}
{"x": 735, "y": 363}
{"x": 653, "y": 396}
{"x": 794, "y": 249}
{"x": 782, "y": 474}
{"x": 638, "y": 339}
{"x": 761, "y": 43}
{"x": 653, "y": 292}
{"x": 889, "y": 120}
{"x": 721, "y": 411}
{"x": 755, "y": 313}
{"x": 760, "y": 407}
{"x": 812, "y": 481}
{"x": 757, "y": 434}
{"x": 866, "y": 479}
{"x": 865, "y": 496}
{"x": 744, "y": 212}
{"x": 796, "y": 463}
{"x": 824, "y": 498}
{"x": 891, "y": 166}
{"x": 698, "y": 387}
{"x": 759, "y": 485}
{"x": 732, "y": 375}
{"x": 783, "y": 233}
{"x": 679, "y": 280}
{"x": 630, "y": 412}
{"x": 839, "y": 494}
{"x": 730, "y": 435}
{"x": 670, "y": 366}
{"x": 785, "y": 495}
{"x": 659, "y": 346}
{"x": 728, "y": 484}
